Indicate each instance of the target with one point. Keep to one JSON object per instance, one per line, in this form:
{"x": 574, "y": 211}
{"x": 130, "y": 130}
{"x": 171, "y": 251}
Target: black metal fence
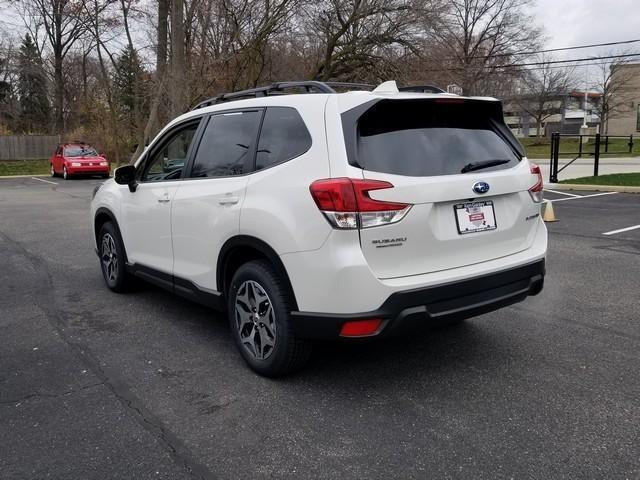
{"x": 601, "y": 146}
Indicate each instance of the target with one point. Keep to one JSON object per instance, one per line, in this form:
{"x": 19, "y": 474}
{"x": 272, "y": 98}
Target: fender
{"x": 105, "y": 212}
{"x": 253, "y": 243}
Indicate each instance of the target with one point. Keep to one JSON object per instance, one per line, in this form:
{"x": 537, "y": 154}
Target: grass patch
{"x": 24, "y": 167}
{"x": 613, "y": 179}
{"x": 569, "y": 147}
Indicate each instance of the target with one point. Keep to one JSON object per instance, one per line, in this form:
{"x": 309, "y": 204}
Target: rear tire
{"x": 53, "y": 172}
{"x": 259, "y": 306}
{"x": 112, "y": 258}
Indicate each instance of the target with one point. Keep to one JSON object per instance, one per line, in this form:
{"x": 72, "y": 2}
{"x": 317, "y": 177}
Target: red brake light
{"x": 449, "y": 100}
{"x": 351, "y": 195}
{"x": 536, "y": 191}
{"x": 334, "y": 195}
{"x": 360, "y": 328}
{"x": 346, "y": 203}
{"x": 535, "y": 169}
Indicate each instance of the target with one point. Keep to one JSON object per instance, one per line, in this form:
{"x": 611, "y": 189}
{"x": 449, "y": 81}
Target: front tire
{"x": 53, "y": 171}
{"x": 112, "y": 258}
{"x": 259, "y": 308}
{"x": 65, "y": 174}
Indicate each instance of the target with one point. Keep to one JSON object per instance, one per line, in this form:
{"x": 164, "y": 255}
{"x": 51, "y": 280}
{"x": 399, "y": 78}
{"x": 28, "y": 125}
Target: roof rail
{"x": 421, "y": 89}
{"x": 310, "y": 86}
{"x": 275, "y": 88}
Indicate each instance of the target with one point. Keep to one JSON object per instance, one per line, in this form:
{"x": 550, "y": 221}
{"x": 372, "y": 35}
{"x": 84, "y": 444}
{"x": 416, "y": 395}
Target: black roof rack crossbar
{"x": 421, "y": 89}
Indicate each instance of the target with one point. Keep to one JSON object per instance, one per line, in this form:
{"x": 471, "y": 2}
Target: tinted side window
{"x": 167, "y": 162}
{"x": 226, "y": 144}
{"x": 283, "y": 136}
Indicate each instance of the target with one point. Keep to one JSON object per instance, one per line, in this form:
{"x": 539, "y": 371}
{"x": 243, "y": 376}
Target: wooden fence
{"x": 27, "y": 147}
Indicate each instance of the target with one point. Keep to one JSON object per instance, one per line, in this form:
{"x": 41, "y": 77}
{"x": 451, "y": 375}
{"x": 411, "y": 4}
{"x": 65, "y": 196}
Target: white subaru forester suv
{"x": 327, "y": 215}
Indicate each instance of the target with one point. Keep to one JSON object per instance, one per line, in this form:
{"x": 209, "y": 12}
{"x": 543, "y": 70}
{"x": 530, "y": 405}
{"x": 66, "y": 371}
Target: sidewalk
{"x": 583, "y": 167}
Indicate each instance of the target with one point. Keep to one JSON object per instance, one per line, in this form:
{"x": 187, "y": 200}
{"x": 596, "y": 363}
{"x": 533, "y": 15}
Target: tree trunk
{"x": 177, "y": 88}
{"x": 161, "y": 67}
{"x": 58, "y": 81}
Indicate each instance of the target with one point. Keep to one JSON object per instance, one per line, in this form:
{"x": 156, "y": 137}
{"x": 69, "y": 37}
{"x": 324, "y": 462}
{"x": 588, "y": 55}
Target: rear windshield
{"x": 427, "y": 138}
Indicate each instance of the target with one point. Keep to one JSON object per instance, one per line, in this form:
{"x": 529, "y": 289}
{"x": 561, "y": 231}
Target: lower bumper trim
{"x": 406, "y": 310}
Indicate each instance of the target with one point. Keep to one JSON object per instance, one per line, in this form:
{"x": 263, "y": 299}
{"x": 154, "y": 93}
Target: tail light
{"x": 536, "y": 191}
{"x": 346, "y": 203}
{"x": 361, "y": 328}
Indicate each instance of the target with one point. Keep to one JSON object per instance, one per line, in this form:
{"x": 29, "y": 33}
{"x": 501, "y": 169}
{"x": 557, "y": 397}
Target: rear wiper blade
{"x": 470, "y": 167}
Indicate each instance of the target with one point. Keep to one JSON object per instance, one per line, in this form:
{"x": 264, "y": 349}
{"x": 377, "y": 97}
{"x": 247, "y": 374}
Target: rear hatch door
{"x": 464, "y": 173}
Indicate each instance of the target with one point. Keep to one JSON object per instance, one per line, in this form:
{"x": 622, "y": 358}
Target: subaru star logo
{"x": 481, "y": 187}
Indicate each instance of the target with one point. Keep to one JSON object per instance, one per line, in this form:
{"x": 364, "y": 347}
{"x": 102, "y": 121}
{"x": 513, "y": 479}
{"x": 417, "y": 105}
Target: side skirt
{"x": 179, "y": 286}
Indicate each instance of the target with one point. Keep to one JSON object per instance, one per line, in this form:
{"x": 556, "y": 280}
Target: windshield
{"x": 80, "y": 151}
{"x": 418, "y": 138}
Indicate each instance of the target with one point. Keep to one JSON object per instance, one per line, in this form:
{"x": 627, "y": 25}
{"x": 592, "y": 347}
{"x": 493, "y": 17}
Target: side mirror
{"x": 126, "y": 175}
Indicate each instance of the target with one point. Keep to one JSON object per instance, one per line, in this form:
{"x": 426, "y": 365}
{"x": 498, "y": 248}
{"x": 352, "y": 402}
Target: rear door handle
{"x": 164, "y": 199}
{"x": 229, "y": 200}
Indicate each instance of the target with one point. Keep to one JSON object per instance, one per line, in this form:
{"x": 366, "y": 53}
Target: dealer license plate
{"x": 475, "y": 217}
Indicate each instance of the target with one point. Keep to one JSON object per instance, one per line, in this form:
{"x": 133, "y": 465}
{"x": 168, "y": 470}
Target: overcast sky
{"x": 580, "y": 22}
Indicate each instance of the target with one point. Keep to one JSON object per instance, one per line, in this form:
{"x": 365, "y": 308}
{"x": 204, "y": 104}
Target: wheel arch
{"x": 240, "y": 249}
{"x": 102, "y": 216}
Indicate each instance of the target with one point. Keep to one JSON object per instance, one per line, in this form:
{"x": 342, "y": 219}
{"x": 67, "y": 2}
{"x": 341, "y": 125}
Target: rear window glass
{"x": 426, "y": 138}
{"x": 284, "y": 136}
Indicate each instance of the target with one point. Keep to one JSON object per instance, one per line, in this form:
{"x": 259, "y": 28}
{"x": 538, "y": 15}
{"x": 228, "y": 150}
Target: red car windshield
{"x": 80, "y": 152}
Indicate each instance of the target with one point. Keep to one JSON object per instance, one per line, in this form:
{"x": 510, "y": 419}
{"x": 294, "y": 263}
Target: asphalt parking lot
{"x": 147, "y": 385}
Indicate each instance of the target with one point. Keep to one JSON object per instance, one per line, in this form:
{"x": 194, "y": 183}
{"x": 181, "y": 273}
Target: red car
{"x": 78, "y": 159}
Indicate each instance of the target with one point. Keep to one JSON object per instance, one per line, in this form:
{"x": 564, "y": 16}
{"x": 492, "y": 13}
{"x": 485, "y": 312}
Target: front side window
{"x": 227, "y": 144}
{"x": 283, "y": 136}
{"x": 167, "y": 162}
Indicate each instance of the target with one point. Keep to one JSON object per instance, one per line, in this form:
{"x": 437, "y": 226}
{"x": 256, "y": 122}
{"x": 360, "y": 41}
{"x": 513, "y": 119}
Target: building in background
{"x": 624, "y": 99}
{"x": 566, "y": 114}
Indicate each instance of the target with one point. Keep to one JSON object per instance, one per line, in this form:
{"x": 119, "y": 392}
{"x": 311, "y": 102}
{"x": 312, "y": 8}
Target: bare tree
{"x": 354, "y": 38}
{"x": 542, "y": 92}
{"x": 479, "y": 36}
{"x": 178, "y": 96}
{"x": 64, "y": 23}
{"x": 153, "y": 120}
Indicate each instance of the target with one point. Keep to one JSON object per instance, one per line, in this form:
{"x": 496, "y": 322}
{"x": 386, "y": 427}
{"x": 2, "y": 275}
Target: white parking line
{"x": 562, "y": 193}
{"x": 45, "y": 181}
{"x": 613, "y": 232}
{"x": 582, "y": 196}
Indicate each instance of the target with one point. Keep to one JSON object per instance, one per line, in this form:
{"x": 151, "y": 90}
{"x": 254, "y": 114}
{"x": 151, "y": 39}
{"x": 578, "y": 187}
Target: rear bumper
{"x": 405, "y": 310}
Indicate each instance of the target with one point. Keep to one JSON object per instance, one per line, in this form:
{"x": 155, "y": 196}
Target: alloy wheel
{"x": 255, "y": 320}
{"x": 109, "y": 257}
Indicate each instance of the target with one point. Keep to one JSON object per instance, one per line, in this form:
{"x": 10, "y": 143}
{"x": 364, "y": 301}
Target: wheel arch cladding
{"x": 241, "y": 249}
{"x": 103, "y": 216}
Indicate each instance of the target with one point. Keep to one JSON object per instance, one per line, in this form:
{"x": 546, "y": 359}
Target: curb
{"x": 592, "y": 188}
{"x": 26, "y": 176}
